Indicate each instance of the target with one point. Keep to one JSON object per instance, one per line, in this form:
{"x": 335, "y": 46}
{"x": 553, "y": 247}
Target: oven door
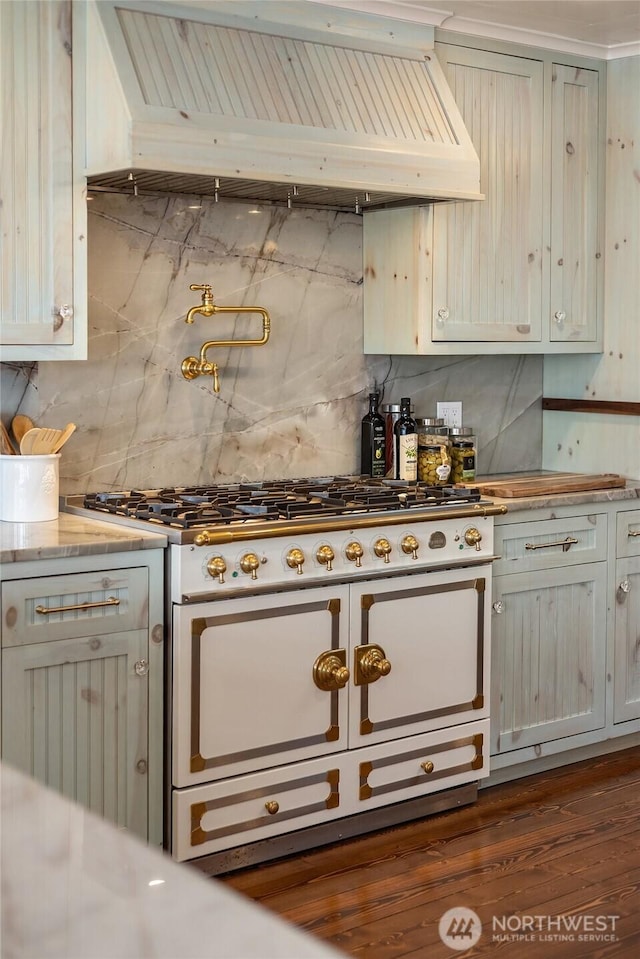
{"x": 258, "y": 682}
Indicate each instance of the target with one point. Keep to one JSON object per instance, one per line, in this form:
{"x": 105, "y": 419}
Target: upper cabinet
{"x": 520, "y": 271}
{"x": 43, "y": 268}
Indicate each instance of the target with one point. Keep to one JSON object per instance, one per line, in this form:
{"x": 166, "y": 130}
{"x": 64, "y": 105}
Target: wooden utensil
{"x": 21, "y": 424}
{"x": 66, "y": 433}
{"x": 6, "y": 446}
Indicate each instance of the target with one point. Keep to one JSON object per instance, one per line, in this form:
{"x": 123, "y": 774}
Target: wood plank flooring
{"x": 565, "y": 843}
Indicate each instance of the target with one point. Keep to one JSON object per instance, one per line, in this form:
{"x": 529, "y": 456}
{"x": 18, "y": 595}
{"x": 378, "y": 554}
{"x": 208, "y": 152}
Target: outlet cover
{"x": 451, "y": 413}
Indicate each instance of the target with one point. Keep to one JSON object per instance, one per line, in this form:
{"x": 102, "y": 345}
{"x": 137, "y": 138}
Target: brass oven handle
{"x": 565, "y": 543}
{"x": 47, "y": 610}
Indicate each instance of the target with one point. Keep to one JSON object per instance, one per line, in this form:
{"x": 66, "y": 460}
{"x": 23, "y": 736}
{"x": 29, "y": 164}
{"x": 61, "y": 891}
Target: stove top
{"x": 204, "y": 507}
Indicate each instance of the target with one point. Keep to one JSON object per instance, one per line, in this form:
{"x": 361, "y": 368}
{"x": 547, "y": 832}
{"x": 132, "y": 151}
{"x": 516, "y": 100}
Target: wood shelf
{"x": 620, "y": 407}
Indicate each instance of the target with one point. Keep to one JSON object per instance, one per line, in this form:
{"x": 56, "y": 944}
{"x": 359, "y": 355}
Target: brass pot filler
{"x": 192, "y": 366}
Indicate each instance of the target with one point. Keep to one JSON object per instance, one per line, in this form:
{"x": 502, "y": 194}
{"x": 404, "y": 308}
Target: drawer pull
{"x": 565, "y": 543}
{"x": 498, "y": 606}
{"x": 272, "y": 807}
{"x": 634, "y": 532}
{"x": 625, "y": 586}
{"x": 427, "y": 766}
{"x": 47, "y": 610}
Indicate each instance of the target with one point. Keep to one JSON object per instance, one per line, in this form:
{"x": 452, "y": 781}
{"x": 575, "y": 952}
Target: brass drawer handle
{"x": 565, "y": 543}
{"x": 427, "y": 766}
{"x": 272, "y": 806}
{"x": 47, "y": 610}
{"x": 634, "y": 532}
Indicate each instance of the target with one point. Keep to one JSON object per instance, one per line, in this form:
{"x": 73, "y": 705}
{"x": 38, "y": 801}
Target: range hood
{"x": 284, "y": 102}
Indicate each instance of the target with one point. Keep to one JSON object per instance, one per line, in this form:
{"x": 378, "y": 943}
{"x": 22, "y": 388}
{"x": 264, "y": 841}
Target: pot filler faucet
{"x": 192, "y": 366}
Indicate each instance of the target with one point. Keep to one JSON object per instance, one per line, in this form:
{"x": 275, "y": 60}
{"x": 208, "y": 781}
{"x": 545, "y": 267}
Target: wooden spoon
{"x": 21, "y": 424}
{"x": 6, "y": 446}
{"x": 66, "y": 433}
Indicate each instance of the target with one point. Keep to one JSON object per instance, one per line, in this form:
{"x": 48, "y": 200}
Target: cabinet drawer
{"x": 45, "y": 609}
{"x": 628, "y": 533}
{"x": 245, "y": 809}
{"x": 392, "y": 772}
{"x": 550, "y": 543}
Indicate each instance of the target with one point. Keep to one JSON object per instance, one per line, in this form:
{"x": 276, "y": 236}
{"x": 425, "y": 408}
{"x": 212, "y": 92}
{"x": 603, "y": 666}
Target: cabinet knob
{"x": 382, "y": 548}
{"x": 410, "y": 544}
{"x": 330, "y": 671}
{"x": 295, "y": 559}
{"x": 249, "y": 564}
{"x": 443, "y": 314}
{"x": 427, "y": 767}
{"x": 65, "y": 312}
{"x": 216, "y": 567}
{"x": 354, "y": 553}
{"x": 272, "y": 806}
{"x": 326, "y": 556}
{"x": 498, "y": 606}
{"x": 141, "y": 667}
{"x": 625, "y": 586}
{"x": 559, "y": 316}
{"x": 370, "y": 664}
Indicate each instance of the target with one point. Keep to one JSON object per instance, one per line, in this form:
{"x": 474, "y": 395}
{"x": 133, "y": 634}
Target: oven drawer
{"x": 245, "y": 809}
{"x": 628, "y": 533}
{"x": 393, "y": 772}
{"x": 74, "y": 605}
{"x": 550, "y": 543}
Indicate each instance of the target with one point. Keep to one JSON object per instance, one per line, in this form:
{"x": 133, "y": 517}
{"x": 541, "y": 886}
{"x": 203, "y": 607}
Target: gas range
{"x": 234, "y": 538}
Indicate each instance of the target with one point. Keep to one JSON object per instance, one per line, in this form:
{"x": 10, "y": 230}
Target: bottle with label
{"x": 372, "y": 448}
{"x": 406, "y": 443}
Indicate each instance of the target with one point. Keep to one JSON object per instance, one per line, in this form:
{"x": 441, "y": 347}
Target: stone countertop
{"x": 630, "y": 493}
{"x": 74, "y": 886}
{"x": 70, "y": 535}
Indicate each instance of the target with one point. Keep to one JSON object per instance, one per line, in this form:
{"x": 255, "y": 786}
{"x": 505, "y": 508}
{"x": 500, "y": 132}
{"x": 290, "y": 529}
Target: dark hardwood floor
{"x": 559, "y": 844}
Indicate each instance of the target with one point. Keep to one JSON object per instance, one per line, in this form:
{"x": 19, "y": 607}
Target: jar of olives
{"x": 463, "y": 454}
{"x": 434, "y": 464}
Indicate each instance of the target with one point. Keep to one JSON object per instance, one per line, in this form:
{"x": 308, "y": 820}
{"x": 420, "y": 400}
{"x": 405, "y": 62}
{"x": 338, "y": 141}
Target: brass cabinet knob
{"x": 326, "y": 556}
{"x": 354, "y": 553}
{"x": 295, "y": 559}
{"x": 410, "y": 544}
{"x": 472, "y": 537}
{"x": 427, "y": 766}
{"x": 382, "y": 547}
{"x": 249, "y": 564}
{"x": 272, "y": 806}
{"x": 330, "y": 671}
{"x": 216, "y": 567}
{"x": 370, "y": 664}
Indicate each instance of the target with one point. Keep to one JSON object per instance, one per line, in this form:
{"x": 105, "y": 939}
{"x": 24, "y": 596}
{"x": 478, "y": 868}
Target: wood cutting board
{"x": 548, "y": 485}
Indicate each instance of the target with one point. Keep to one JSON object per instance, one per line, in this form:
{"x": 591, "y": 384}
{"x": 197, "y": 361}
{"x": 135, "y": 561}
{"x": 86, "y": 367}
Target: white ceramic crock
{"x": 29, "y": 488}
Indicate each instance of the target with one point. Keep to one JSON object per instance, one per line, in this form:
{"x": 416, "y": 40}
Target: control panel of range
{"x": 316, "y": 557}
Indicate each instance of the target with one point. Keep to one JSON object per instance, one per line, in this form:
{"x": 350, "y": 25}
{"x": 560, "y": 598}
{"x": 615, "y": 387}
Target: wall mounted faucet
{"x": 193, "y": 366}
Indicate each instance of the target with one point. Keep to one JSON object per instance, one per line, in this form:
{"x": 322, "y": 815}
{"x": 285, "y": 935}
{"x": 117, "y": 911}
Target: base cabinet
{"x": 294, "y": 709}
{"x": 627, "y": 618}
{"x": 82, "y": 683}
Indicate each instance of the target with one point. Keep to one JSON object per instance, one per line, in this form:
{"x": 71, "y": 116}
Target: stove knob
{"x": 354, "y": 552}
{"x": 249, "y": 564}
{"x": 472, "y": 537}
{"x": 382, "y": 547}
{"x": 217, "y": 567}
{"x": 295, "y": 559}
{"x": 326, "y": 556}
{"x": 410, "y": 545}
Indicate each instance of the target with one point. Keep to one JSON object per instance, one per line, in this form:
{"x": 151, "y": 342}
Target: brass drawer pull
{"x": 634, "y": 532}
{"x": 272, "y": 806}
{"x": 565, "y": 543}
{"x": 427, "y": 767}
{"x": 47, "y": 610}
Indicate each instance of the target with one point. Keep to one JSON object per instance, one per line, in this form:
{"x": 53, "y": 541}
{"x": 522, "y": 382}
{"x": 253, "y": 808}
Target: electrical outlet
{"x": 451, "y": 413}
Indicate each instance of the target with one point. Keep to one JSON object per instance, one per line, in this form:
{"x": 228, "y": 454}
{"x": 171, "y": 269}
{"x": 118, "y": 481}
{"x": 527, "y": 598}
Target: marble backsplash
{"x": 289, "y": 408}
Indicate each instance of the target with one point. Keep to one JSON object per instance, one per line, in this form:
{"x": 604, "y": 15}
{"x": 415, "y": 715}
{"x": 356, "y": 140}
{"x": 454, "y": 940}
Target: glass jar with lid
{"x": 434, "y": 463}
{"x": 463, "y": 454}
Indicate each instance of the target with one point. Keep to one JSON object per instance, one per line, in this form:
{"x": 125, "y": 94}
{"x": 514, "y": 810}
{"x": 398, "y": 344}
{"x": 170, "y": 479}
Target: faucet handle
{"x": 206, "y": 290}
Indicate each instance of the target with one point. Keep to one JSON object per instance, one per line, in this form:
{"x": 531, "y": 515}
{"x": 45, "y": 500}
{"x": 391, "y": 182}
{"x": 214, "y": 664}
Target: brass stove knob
{"x": 216, "y": 567}
{"x": 295, "y": 559}
{"x": 326, "y": 556}
{"x": 249, "y": 564}
{"x": 410, "y": 545}
{"x": 382, "y": 547}
{"x": 472, "y": 537}
{"x": 354, "y": 553}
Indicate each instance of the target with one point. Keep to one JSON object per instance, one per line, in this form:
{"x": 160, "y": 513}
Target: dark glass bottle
{"x": 406, "y": 444}
{"x": 372, "y": 448}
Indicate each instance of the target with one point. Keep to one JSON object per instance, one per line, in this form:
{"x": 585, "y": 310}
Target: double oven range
{"x": 328, "y": 657}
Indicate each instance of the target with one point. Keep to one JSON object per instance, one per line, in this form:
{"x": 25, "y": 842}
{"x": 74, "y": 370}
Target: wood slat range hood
{"x": 279, "y": 102}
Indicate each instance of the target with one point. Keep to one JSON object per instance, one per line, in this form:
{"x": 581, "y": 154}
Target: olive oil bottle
{"x": 372, "y": 447}
{"x": 406, "y": 443}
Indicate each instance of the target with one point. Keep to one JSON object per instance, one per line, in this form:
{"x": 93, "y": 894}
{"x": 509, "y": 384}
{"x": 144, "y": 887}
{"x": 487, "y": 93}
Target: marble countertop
{"x": 70, "y": 535}
{"x": 74, "y": 886}
{"x": 514, "y": 504}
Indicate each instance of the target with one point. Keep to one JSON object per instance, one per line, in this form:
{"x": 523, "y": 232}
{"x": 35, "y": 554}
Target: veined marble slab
{"x": 73, "y": 886}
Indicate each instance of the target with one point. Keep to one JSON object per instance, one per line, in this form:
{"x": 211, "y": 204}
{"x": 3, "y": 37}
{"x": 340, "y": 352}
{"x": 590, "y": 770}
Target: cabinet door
{"x": 75, "y": 717}
{"x": 576, "y": 265}
{"x": 432, "y": 632}
{"x": 548, "y": 662}
{"x": 488, "y": 256}
{"x": 43, "y": 264}
{"x": 627, "y": 643}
